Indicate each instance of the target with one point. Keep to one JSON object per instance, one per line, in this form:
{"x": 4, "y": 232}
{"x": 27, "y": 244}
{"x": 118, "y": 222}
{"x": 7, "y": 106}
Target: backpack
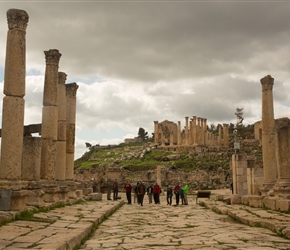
{"x": 115, "y": 185}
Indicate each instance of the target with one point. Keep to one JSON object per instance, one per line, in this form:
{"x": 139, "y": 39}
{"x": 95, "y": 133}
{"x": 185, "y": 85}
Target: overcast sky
{"x": 142, "y": 61}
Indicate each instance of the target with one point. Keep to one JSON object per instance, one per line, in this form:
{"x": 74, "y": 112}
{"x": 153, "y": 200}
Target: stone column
{"x": 13, "y": 102}
{"x": 194, "y": 130}
{"x": 186, "y": 131}
{"x": 239, "y": 163}
{"x": 219, "y": 135}
{"x": 178, "y": 134}
{"x": 198, "y": 131}
{"x": 49, "y": 115}
{"x": 60, "y": 166}
{"x": 205, "y": 131}
{"x": 282, "y": 186}
{"x": 171, "y": 139}
{"x": 156, "y": 132}
{"x": 226, "y": 134}
{"x": 71, "y": 92}
{"x": 268, "y": 135}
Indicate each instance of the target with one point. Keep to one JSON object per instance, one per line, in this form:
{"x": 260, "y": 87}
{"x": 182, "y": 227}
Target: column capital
{"x": 71, "y": 89}
{"x": 62, "y": 77}
{"x": 17, "y": 19}
{"x": 52, "y": 56}
{"x": 267, "y": 83}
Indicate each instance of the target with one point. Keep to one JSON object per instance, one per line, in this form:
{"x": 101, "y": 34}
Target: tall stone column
{"x": 198, "y": 130}
{"x": 156, "y": 132}
{"x": 194, "y": 130}
{"x": 49, "y": 115}
{"x": 282, "y": 186}
{"x": 178, "y": 134}
{"x": 60, "y": 166}
{"x": 226, "y": 134}
{"x": 186, "y": 131}
{"x": 13, "y": 102}
{"x": 205, "y": 131}
{"x": 71, "y": 92}
{"x": 219, "y": 135}
{"x": 268, "y": 135}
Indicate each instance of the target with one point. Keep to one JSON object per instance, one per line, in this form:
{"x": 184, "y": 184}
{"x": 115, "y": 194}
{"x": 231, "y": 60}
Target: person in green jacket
{"x": 185, "y": 192}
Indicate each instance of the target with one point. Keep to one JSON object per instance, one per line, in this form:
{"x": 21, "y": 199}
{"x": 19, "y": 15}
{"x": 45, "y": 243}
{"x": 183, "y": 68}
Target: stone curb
{"x": 246, "y": 215}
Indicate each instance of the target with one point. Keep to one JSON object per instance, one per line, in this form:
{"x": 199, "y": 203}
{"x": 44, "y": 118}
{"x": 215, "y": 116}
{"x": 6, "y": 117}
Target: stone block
{"x": 31, "y": 158}
{"x": 270, "y": 202}
{"x": 87, "y": 191}
{"x": 5, "y": 201}
{"x": 35, "y": 198}
{"x": 61, "y": 132}
{"x": 252, "y": 200}
{"x": 95, "y": 196}
{"x": 70, "y": 138}
{"x": 283, "y": 205}
{"x": 69, "y": 172}
{"x": 48, "y": 159}
{"x": 60, "y": 163}
{"x": 18, "y": 200}
{"x": 49, "y": 122}
{"x": 236, "y": 199}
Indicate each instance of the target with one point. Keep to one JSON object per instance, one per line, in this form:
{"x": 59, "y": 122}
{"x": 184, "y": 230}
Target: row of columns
{"x": 51, "y": 156}
{"x": 195, "y": 133}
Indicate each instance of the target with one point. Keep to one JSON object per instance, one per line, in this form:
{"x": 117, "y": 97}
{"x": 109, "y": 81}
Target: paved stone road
{"x": 178, "y": 227}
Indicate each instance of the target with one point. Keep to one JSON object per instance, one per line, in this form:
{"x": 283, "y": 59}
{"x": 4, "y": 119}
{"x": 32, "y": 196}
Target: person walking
{"x": 115, "y": 190}
{"x": 185, "y": 193}
{"x": 169, "y": 194}
{"x": 136, "y": 193}
{"x": 176, "y": 192}
{"x": 128, "y": 189}
{"x": 108, "y": 189}
{"x": 156, "y": 193}
{"x": 141, "y": 192}
{"x": 150, "y": 193}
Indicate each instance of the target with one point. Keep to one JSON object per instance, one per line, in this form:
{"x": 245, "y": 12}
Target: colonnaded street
{"x": 160, "y": 226}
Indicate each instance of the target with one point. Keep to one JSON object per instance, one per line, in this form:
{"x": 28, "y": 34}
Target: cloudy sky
{"x": 140, "y": 61}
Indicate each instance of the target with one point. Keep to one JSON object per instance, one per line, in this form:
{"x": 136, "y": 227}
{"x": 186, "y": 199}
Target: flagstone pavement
{"x": 106, "y": 224}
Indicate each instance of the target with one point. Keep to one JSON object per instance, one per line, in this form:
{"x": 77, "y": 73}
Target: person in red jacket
{"x": 156, "y": 193}
{"x": 128, "y": 189}
{"x": 176, "y": 192}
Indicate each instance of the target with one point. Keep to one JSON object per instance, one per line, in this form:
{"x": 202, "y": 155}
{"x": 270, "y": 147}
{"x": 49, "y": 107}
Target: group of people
{"x": 153, "y": 192}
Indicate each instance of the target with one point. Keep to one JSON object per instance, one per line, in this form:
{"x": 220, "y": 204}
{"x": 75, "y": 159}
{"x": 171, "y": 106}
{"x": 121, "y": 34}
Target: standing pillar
{"x": 156, "y": 132}
{"x": 219, "y": 135}
{"x": 194, "y": 130}
{"x": 13, "y": 102}
{"x": 71, "y": 92}
{"x": 282, "y": 186}
{"x": 198, "y": 130}
{"x": 186, "y": 131}
{"x": 49, "y": 115}
{"x": 204, "y": 131}
{"x": 178, "y": 134}
{"x": 60, "y": 165}
{"x": 226, "y": 134}
{"x": 268, "y": 135}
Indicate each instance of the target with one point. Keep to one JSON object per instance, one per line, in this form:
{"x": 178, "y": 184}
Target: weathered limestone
{"x": 14, "y": 89}
{"x": 156, "y": 132}
{"x": 194, "y": 130}
{"x": 49, "y": 115}
{"x": 31, "y": 158}
{"x": 282, "y": 186}
{"x": 186, "y": 131}
{"x": 268, "y": 135}
{"x": 178, "y": 134}
{"x": 226, "y": 134}
{"x": 71, "y": 91}
{"x": 239, "y": 164}
{"x": 60, "y": 166}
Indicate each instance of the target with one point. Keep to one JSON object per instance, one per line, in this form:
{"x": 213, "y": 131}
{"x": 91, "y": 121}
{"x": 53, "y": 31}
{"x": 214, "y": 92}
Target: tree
{"x": 142, "y": 134}
{"x": 88, "y": 145}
